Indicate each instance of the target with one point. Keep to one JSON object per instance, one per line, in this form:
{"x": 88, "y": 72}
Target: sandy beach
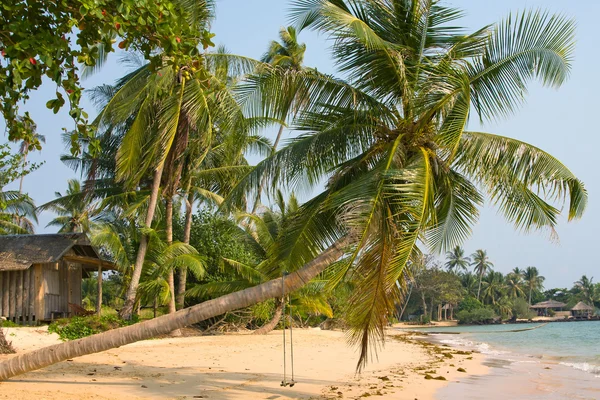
{"x": 242, "y": 366}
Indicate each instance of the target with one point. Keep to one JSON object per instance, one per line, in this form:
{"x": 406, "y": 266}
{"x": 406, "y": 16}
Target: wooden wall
{"x": 18, "y": 296}
{"x": 40, "y": 292}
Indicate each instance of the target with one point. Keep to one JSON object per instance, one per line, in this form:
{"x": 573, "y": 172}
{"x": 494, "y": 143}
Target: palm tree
{"x": 17, "y": 213}
{"x": 457, "y": 260}
{"x": 588, "y": 291}
{"x": 17, "y": 210}
{"x": 391, "y": 140}
{"x": 75, "y": 210}
{"x": 162, "y": 113}
{"x": 287, "y": 55}
{"x": 514, "y": 283}
{"x": 493, "y": 286}
{"x": 533, "y": 280}
{"x": 470, "y": 282}
{"x": 481, "y": 265}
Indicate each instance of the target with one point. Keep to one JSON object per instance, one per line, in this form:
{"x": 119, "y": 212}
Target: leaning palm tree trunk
{"x": 269, "y": 326}
{"x": 127, "y": 309}
{"x": 167, "y": 323}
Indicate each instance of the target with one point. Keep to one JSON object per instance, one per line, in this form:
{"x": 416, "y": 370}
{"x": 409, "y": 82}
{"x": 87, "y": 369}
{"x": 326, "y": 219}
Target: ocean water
{"x": 572, "y": 344}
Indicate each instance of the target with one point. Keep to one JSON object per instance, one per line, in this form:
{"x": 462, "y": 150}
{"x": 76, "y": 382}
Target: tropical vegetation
{"x": 167, "y": 194}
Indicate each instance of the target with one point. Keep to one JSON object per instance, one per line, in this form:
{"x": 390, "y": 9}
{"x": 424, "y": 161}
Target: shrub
{"x": 477, "y": 316}
{"x": 521, "y": 309}
{"x": 78, "y": 327}
{"x": 469, "y": 304}
{"x": 8, "y": 324}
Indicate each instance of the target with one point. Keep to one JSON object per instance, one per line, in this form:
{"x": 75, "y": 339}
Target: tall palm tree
{"x": 391, "y": 140}
{"x": 287, "y": 55}
{"x": 162, "y": 113}
{"x": 533, "y": 280}
{"x": 456, "y": 260}
{"x": 481, "y": 265}
{"x": 75, "y": 210}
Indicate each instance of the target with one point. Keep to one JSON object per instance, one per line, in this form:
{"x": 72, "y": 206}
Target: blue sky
{"x": 561, "y": 122}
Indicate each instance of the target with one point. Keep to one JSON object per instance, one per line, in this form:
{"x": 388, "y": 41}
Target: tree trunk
{"x": 99, "y": 297}
{"x": 127, "y": 309}
{"x": 171, "y": 273}
{"x": 530, "y": 290}
{"x": 431, "y": 310}
{"x": 23, "y": 172}
{"x": 182, "y": 281}
{"x": 268, "y": 327}
{"x": 167, "y": 323}
{"x": 424, "y": 303}
{"x": 479, "y": 289}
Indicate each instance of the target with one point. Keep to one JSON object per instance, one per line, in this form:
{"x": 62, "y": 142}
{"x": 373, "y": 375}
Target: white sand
{"x": 235, "y": 366}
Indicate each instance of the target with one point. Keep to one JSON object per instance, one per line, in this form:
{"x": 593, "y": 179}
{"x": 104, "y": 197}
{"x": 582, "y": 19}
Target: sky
{"x": 561, "y": 121}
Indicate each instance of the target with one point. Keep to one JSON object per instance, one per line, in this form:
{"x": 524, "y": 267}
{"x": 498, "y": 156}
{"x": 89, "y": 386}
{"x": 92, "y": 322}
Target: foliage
{"x": 476, "y": 316}
{"x": 75, "y": 209}
{"x": 8, "y": 324}
{"x": 78, "y": 327}
{"x": 521, "y": 310}
{"x": 43, "y": 39}
{"x": 469, "y": 304}
{"x": 217, "y": 237}
{"x": 17, "y": 210}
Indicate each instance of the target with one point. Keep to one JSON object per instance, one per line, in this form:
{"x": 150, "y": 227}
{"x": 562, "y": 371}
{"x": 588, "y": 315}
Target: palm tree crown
{"x": 533, "y": 280}
{"x": 456, "y": 260}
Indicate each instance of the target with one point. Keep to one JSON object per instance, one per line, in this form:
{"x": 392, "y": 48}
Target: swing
{"x": 285, "y": 382}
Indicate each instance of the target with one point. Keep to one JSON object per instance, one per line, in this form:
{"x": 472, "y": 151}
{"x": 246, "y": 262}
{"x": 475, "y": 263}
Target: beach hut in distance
{"x": 582, "y": 310}
{"x": 543, "y": 307}
{"x": 40, "y": 276}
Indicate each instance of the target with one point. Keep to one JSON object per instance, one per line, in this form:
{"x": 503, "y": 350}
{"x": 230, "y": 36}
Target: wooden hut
{"x": 40, "y": 275}
{"x": 582, "y": 310}
{"x": 543, "y": 307}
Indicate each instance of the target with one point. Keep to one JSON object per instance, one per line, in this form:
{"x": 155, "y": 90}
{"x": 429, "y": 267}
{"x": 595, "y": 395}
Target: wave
{"x": 481, "y": 347}
{"x": 583, "y": 366}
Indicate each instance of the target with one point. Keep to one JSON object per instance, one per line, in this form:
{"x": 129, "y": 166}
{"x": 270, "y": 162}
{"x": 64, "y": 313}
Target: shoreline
{"x": 519, "y": 374}
{"x": 242, "y": 366}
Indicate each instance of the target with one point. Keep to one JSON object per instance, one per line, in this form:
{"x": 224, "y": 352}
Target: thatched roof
{"x": 549, "y": 304}
{"x": 581, "y": 306}
{"x": 19, "y": 252}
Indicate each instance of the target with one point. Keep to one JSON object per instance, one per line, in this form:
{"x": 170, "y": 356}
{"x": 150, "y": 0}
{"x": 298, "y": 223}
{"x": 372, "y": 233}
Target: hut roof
{"x": 549, "y": 304}
{"x": 19, "y": 252}
{"x": 581, "y": 306}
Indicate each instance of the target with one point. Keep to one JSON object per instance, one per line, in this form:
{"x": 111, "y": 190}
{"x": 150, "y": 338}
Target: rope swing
{"x": 285, "y": 382}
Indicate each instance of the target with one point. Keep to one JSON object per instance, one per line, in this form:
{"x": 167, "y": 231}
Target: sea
{"x": 559, "y": 360}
